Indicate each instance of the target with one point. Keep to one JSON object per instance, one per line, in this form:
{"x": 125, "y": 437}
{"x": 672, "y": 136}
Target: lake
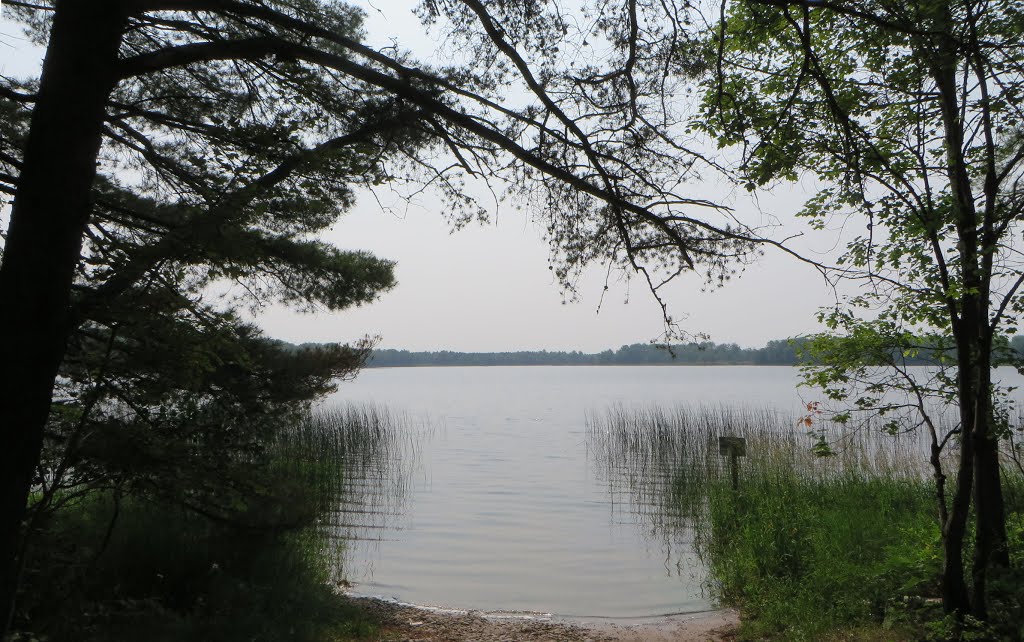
{"x": 501, "y": 507}
{"x": 504, "y": 509}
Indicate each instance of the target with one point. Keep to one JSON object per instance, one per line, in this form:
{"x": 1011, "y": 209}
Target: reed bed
{"x": 652, "y": 435}
{"x": 355, "y": 464}
{"x": 347, "y": 452}
{"x": 668, "y": 459}
{"x": 845, "y": 546}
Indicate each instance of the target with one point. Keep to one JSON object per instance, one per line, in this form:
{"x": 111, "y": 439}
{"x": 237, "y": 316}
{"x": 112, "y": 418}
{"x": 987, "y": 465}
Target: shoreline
{"x": 405, "y": 623}
{"x": 584, "y": 365}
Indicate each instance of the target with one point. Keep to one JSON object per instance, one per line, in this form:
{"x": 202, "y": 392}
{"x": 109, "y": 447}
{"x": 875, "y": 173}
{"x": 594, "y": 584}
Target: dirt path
{"x": 408, "y": 624}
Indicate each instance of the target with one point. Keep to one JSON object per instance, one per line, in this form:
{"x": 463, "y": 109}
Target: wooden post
{"x": 734, "y": 448}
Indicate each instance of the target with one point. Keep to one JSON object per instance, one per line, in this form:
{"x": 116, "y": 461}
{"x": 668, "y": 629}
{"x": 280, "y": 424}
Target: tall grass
{"x": 356, "y": 463}
{"x": 111, "y": 568}
{"x": 811, "y": 547}
{"x": 668, "y": 458}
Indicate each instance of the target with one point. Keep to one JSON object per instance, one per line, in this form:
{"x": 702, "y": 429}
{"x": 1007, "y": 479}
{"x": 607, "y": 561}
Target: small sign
{"x": 734, "y": 446}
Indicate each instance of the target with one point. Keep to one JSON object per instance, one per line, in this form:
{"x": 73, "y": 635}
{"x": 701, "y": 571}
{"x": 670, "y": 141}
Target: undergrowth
{"x": 168, "y": 574}
{"x": 128, "y": 565}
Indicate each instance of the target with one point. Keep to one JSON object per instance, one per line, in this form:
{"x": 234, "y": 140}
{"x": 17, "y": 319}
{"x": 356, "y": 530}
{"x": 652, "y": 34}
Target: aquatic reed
{"x": 669, "y": 457}
{"x": 812, "y": 547}
{"x": 355, "y": 463}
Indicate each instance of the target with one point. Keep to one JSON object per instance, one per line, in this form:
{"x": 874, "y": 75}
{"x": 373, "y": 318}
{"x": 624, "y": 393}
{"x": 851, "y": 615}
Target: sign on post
{"x": 733, "y": 448}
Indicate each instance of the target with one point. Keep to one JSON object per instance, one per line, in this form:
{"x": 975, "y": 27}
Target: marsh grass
{"x": 357, "y": 462}
{"x": 139, "y": 568}
{"x": 668, "y": 460}
{"x": 839, "y": 547}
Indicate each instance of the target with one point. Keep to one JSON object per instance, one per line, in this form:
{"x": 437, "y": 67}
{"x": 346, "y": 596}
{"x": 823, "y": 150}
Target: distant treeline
{"x": 775, "y": 353}
{"x": 780, "y": 352}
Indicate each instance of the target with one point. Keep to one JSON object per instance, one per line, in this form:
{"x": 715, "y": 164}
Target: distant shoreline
{"x": 775, "y": 353}
{"x": 781, "y": 352}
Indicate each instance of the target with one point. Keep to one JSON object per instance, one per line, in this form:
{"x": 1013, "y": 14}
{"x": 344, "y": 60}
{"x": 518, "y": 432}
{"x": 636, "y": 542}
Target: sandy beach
{"x": 410, "y": 624}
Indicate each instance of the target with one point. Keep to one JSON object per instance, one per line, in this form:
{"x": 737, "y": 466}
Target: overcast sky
{"x": 488, "y": 288}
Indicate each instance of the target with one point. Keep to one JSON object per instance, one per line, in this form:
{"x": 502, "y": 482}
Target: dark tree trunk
{"x": 43, "y": 246}
{"x": 955, "y": 599}
{"x": 991, "y": 550}
{"x": 978, "y": 471}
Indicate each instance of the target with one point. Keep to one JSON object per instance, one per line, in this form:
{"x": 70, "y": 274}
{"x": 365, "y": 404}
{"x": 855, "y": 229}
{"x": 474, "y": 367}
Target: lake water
{"x": 502, "y": 509}
{"x": 505, "y": 511}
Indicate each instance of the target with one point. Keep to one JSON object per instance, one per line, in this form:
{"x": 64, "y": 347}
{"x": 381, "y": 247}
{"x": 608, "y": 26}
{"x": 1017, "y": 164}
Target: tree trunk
{"x": 979, "y": 459}
{"x": 955, "y": 599}
{"x": 991, "y": 550}
{"x": 43, "y": 247}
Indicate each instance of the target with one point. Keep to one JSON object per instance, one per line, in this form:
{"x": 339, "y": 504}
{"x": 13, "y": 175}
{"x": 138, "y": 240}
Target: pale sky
{"x": 488, "y": 288}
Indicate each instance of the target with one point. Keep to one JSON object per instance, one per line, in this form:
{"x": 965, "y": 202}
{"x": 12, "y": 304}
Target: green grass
{"x": 810, "y": 548}
{"x": 143, "y": 569}
{"x": 808, "y": 557}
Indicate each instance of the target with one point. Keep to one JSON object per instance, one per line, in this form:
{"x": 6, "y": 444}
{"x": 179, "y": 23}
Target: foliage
{"x": 213, "y": 181}
{"x": 167, "y": 574}
{"x": 163, "y": 390}
{"x": 814, "y": 548}
{"x": 113, "y": 567}
{"x": 907, "y": 116}
{"x": 186, "y": 418}
{"x": 805, "y": 558}
{"x": 850, "y": 97}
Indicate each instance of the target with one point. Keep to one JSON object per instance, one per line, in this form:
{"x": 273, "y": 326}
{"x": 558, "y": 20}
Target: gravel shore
{"x": 410, "y": 624}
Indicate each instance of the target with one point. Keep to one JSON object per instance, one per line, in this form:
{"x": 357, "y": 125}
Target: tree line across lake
{"x": 778, "y": 352}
